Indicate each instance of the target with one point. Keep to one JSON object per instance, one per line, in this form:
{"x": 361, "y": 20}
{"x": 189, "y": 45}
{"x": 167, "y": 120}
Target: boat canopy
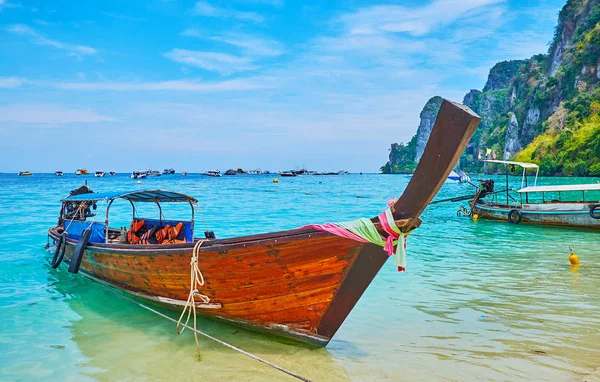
{"x": 522, "y": 164}
{"x": 561, "y": 188}
{"x": 154, "y": 196}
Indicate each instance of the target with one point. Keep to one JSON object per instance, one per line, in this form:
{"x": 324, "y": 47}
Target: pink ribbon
{"x": 337, "y": 230}
{"x": 392, "y": 235}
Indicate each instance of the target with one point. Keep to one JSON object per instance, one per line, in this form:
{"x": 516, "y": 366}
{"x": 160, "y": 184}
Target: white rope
{"x": 196, "y": 281}
{"x": 80, "y": 207}
{"x": 202, "y": 216}
{"x": 209, "y": 336}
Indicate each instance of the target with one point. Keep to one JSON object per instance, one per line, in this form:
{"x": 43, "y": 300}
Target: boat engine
{"x": 485, "y": 187}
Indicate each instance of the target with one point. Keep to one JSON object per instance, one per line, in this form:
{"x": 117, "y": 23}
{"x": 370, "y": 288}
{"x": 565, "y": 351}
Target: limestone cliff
{"x": 428, "y": 116}
{"x": 544, "y": 109}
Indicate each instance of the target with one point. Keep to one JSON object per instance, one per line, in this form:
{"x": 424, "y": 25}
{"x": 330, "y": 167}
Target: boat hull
{"x": 567, "y": 215}
{"x": 297, "y": 284}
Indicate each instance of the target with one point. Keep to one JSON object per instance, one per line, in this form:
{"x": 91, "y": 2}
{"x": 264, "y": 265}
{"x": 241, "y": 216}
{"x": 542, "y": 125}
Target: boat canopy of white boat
{"x": 525, "y": 166}
{"x": 522, "y": 164}
{"x": 561, "y": 188}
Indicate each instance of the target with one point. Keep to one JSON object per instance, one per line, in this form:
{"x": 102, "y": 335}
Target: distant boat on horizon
{"x": 214, "y": 173}
{"x": 112, "y": 173}
{"x": 58, "y": 173}
{"x": 25, "y": 173}
{"x": 168, "y": 171}
{"x": 99, "y": 174}
{"x": 82, "y": 171}
{"x": 138, "y": 175}
{"x": 231, "y": 172}
{"x": 286, "y": 173}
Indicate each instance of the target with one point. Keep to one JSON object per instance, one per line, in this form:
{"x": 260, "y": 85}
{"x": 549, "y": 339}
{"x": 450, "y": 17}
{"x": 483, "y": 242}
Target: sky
{"x": 256, "y": 84}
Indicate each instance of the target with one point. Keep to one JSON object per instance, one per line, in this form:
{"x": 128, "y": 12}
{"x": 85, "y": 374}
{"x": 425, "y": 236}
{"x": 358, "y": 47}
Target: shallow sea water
{"x": 465, "y": 309}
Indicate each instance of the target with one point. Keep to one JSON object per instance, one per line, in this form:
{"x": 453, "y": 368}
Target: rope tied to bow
{"x": 196, "y": 281}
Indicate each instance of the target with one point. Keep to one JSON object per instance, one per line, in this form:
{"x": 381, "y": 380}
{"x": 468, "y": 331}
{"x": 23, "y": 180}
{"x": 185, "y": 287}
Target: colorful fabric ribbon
{"x": 363, "y": 230}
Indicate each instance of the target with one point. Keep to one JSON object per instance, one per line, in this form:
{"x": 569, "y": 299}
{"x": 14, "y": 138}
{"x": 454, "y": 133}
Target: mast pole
{"x": 106, "y": 222}
{"x": 506, "y": 174}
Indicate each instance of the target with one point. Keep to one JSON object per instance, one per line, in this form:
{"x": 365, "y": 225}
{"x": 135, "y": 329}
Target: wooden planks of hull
{"x": 286, "y": 287}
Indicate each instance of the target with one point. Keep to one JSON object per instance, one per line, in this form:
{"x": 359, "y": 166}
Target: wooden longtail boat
{"x": 299, "y": 284}
{"x": 568, "y": 205}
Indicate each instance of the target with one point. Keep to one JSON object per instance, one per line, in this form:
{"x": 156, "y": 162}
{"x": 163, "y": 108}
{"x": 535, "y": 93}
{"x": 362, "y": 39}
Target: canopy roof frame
{"x": 146, "y": 196}
{"x": 561, "y": 188}
{"x": 522, "y": 164}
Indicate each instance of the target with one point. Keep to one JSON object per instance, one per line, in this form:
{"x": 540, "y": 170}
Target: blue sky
{"x": 271, "y": 84}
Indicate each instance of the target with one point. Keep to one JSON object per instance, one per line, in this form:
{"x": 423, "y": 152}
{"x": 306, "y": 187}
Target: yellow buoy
{"x": 475, "y": 216}
{"x": 573, "y": 259}
{"x": 275, "y": 180}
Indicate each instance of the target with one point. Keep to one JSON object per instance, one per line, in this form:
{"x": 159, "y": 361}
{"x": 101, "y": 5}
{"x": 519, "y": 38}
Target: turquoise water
{"x": 466, "y": 309}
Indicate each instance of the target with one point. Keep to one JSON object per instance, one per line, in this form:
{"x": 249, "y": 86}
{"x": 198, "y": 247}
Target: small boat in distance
{"x": 82, "y": 171}
{"x": 231, "y": 172}
{"x": 138, "y": 175}
{"x": 570, "y": 205}
{"x": 168, "y": 171}
{"x": 184, "y": 173}
{"x": 214, "y": 173}
{"x": 112, "y": 173}
{"x": 301, "y": 171}
{"x": 286, "y": 173}
{"x": 459, "y": 176}
{"x": 25, "y": 173}
{"x": 153, "y": 173}
{"x": 58, "y": 173}
{"x": 99, "y": 174}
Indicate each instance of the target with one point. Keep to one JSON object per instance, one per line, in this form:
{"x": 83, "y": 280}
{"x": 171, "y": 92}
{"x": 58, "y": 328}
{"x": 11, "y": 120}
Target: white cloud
{"x": 249, "y": 44}
{"x": 202, "y": 8}
{"x": 414, "y": 21}
{"x": 184, "y": 85}
{"x": 76, "y": 50}
{"x": 252, "y": 45}
{"x": 11, "y": 82}
{"x": 217, "y": 62}
{"x": 5, "y": 4}
{"x": 274, "y": 3}
{"x": 48, "y": 114}
{"x": 120, "y": 16}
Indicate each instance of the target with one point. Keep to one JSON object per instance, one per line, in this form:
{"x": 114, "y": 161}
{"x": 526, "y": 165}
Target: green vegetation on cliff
{"x": 402, "y": 158}
{"x": 545, "y": 109}
{"x": 571, "y": 143}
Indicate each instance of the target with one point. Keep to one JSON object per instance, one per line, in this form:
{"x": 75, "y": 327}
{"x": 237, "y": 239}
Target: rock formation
{"x": 428, "y": 116}
{"x": 565, "y": 81}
